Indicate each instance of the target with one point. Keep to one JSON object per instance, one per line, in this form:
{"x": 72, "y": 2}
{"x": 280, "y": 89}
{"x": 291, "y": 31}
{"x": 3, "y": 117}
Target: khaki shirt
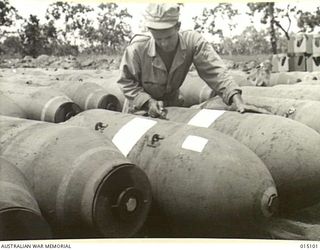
{"x": 143, "y": 74}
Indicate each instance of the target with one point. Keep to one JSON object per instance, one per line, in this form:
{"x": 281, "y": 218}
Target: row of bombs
{"x": 262, "y": 77}
{"x": 298, "y": 101}
{"x": 284, "y": 85}
{"x": 49, "y": 99}
{"x": 214, "y": 198}
{"x": 203, "y": 183}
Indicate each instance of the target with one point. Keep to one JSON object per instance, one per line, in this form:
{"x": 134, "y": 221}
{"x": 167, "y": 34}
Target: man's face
{"x": 167, "y": 39}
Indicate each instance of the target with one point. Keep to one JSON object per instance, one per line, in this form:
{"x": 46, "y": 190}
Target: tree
{"x": 72, "y": 17}
{"x": 8, "y": 16}
{"x": 7, "y": 13}
{"x": 31, "y": 36}
{"x": 308, "y": 21}
{"x": 272, "y": 15}
{"x": 37, "y": 38}
{"x": 11, "y": 46}
{"x": 249, "y": 42}
{"x": 207, "y": 21}
{"x": 113, "y": 29}
{"x": 108, "y": 30}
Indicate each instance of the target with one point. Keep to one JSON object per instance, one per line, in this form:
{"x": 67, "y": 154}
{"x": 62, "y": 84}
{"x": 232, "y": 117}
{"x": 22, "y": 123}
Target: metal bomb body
{"x": 41, "y": 103}
{"x": 8, "y": 107}
{"x": 314, "y": 82}
{"x": 83, "y": 184}
{"x": 88, "y": 95}
{"x": 89, "y": 89}
{"x": 304, "y": 111}
{"x": 198, "y": 177}
{"x": 109, "y": 83}
{"x": 20, "y": 216}
{"x": 289, "y": 149}
{"x": 299, "y": 92}
{"x": 195, "y": 91}
{"x": 293, "y": 77}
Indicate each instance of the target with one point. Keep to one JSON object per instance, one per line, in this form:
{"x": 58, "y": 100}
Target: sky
{"x": 191, "y": 9}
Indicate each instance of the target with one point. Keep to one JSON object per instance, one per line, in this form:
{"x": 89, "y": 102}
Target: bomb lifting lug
{"x": 153, "y": 141}
{"x": 290, "y": 112}
{"x": 100, "y": 126}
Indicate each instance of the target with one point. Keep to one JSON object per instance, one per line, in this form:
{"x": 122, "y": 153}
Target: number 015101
{"x": 309, "y": 246}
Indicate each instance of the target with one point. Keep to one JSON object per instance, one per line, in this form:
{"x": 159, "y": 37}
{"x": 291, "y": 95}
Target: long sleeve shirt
{"x": 143, "y": 74}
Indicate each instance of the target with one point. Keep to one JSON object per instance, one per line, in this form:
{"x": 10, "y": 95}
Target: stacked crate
{"x": 303, "y": 54}
{"x": 280, "y": 63}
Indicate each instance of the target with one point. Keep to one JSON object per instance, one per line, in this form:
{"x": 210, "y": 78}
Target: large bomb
{"x": 289, "y": 149}
{"x": 20, "y": 216}
{"x": 8, "y": 107}
{"x": 194, "y": 90}
{"x": 86, "y": 89}
{"x": 81, "y": 87}
{"x": 198, "y": 176}
{"x": 109, "y": 83}
{"x": 88, "y": 95}
{"x": 300, "y": 92}
{"x": 304, "y": 111}
{"x": 84, "y": 186}
{"x": 309, "y": 83}
{"x": 41, "y": 103}
{"x": 293, "y": 77}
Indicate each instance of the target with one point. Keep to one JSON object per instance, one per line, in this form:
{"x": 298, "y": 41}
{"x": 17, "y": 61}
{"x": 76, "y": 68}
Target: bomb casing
{"x": 304, "y": 111}
{"x": 289, "y": 149}
{"x": 198, "y": 177}
{"x": 41, "y": 103}
{"x": 298, "y": 92}
{"x": 20, "y": 216}
{"x": 8, "y": 107}
{"x": 95, "y": 191}
{"x": 88, "y": 95}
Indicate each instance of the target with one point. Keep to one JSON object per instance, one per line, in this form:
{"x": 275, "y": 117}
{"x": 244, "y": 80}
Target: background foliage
{"x": 71, "y": 28}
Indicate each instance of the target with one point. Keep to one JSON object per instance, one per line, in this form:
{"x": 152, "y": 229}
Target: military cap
{"x": 162, "y": 15}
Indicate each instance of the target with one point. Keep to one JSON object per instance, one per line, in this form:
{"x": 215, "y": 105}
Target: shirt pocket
{"x": 155, "y": 84}
{"x": 155, "y": 89}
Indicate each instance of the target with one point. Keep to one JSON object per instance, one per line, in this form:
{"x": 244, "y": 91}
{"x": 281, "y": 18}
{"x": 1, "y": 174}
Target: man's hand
{"x": 156, "y": 109}
{"x": 242, "y": 107}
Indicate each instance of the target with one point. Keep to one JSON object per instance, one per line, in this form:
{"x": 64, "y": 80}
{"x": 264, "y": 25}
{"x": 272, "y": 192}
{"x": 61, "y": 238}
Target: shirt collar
{"x": 152, "y": 45}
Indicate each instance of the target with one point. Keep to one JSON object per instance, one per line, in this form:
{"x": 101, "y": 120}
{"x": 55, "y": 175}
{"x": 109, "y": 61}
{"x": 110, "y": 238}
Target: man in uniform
{"x": 155, "y": 65}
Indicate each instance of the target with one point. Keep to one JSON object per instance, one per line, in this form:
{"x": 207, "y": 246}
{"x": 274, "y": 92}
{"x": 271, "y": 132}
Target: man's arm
{"x": 130, "y": 84}
{"x": 130, "y": 79}
{"x": 212, "y": 70}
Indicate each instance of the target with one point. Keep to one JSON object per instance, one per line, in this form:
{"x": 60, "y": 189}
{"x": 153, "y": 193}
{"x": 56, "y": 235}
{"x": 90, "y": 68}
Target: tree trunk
{"x": 273, "y": 38}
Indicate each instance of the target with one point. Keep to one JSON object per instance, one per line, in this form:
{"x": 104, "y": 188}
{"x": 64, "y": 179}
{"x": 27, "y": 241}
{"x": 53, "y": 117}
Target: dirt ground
{"x": 67, "y": 62}
{"x": 111, "y": 62}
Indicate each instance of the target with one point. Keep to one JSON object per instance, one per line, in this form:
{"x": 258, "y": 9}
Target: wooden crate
{"x": 313, "y": 63}
{"x": 280, "y": 63}
{"x": 300, "y": 43}
{"x": 316, "y": 44}
{"x": 297, "y": 62}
